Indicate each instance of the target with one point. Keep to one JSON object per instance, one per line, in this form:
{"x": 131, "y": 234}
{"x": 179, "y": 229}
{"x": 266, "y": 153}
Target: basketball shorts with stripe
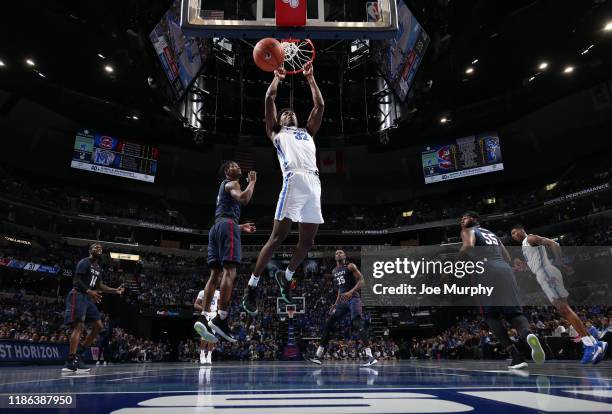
{"x": 300, "y": 198}
{"x": 551, "y": 281}
{"x": 224, "y": 246}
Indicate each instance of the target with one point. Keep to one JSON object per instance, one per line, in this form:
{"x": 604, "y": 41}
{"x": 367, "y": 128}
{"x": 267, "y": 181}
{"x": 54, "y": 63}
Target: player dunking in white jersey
{"x": 551, "y": 280}
{"x": 206, "y": 348}
{"x": 300, "y": 196}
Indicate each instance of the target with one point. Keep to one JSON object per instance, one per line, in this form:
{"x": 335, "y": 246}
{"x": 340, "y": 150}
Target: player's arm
{"x": 535, "y": 240}
{"x": 248, "y": 228}
{"x": 358, "y": 278}
{"x": 271, "y": 114}
{"x": 468, "y": 239}
{"x": 316, "y": 115}
{"x": 198, "y": 304}
{"x": 107, "y": 289}
{"x": 243, "y": 197}
{"x": 505, "y": 252}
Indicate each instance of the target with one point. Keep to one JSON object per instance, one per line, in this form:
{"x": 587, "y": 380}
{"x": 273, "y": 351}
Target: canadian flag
{"x": 331, "y": 162}
{"x": 290, "y": 13}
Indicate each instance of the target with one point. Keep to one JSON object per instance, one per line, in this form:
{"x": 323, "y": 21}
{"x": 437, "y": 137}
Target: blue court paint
{"x": 301, "y": 388}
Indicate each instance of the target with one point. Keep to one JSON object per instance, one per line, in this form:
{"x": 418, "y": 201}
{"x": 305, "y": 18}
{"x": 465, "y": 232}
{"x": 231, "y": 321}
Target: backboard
{"x": 255, "y": 19}
{"x": 298, "y": 302}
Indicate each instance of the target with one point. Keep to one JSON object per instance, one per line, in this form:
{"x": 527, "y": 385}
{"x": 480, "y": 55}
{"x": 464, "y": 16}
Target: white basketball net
{"x": 297, "y": 54}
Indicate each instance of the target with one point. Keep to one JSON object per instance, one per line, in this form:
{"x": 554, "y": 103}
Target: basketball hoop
{"x": 297, "y": 54}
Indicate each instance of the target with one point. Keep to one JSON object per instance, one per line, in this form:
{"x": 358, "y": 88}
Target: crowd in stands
{"x": 431, "y": 208}
{"x": 40, "y": 319}
{"x": 469, "y": 337}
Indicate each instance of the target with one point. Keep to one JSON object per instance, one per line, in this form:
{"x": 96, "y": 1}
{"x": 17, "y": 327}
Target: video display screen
{"x": 399, "y": 58}
{"x": 181, "y": 56}
{"x": 473, "y": 155}
{"x": 113, "y": 156}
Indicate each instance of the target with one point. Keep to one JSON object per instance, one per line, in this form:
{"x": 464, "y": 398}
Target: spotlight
{"x": 568, "y": 69}
{"x": 134, "y": 117}
{"x": 532, "y": 79}
{"x": 587, "y": 50}
{"x": 109, "y": 69}
{"x": 543, "y": 66}
{"x": 2, "y": 64}
{"x": 101, "y": 56}
{"x": 41, "y": 74}
{"x": 469, "y": 70}
{"x": 475, "y": 61}
{"x": 30, "y": 62}
{"x": 444, "y": 120}
{"x": 608, "y": 27}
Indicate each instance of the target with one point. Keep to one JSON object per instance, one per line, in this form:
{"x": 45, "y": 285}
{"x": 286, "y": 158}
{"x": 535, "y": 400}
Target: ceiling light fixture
{"x": 30, "y": 62}
{"x": 444, "y": 120}
{"x": 531, "y": 79}
{"x": 568, "y": 69}
{"x": 475, "y": 61}
{"x": 469, "y": 70}
{"x": 2, "y": 63}
{"x": 135, "y": 117}
{"x": 587, "y": 50}
{"x": 101, "y": 56}
{"x": 608, "y": 27}
{"x": 543, "y": 65}
{"x": 109, "y": 68}
{"x": 41, "y": 74}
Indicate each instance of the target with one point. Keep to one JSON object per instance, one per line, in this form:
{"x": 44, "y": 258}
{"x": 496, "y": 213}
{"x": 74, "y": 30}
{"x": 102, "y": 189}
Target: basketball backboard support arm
{"x": 194, "y": 25}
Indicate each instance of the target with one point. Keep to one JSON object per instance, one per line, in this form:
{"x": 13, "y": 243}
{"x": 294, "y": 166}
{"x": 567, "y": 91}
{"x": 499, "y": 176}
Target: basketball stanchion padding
{"x": 291, "y": 13}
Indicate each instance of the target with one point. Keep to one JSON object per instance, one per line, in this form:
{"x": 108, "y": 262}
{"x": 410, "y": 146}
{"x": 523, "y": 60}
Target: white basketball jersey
{"x": 536, "y": 256}
{"x": 296, "y": 149}
{"x": 213, "y": 303}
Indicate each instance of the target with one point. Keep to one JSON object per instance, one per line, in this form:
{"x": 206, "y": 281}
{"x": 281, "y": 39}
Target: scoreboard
{"x": 109, "y": 155}
{"x": 473, "y": 155}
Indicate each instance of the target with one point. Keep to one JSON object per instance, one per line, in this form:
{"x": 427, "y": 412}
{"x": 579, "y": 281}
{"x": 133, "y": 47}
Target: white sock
{"x": 593, "y": 340}
{"x": 320, "y": 351}
{"x": 222, "y": 314}
{"x": 254, "y": 280}
{"x": 289, "y": 274}
{"x": 588, "y": 341}
{"x": 368, "y": 352}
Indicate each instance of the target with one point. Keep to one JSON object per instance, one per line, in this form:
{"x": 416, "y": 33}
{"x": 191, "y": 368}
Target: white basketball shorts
{"x": 551, "y": 281}
{"x": 300, "y": 198}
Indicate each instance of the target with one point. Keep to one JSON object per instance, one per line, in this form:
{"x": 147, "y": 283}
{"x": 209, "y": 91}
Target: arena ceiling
{"x": 482, "y": 69}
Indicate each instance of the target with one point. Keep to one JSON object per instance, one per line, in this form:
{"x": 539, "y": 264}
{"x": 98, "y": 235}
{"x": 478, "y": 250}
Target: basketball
{"x": 268, "y": 54}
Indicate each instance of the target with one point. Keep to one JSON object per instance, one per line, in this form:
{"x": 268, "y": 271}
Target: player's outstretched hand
{"x": 94, "y": 295}
{"x": 120, "y": 290}
{"x": 280, "y": 73}
{"x": 248, "y": 227}
{"x": 308, "y": 69}
{"x": 252, "y": 177}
